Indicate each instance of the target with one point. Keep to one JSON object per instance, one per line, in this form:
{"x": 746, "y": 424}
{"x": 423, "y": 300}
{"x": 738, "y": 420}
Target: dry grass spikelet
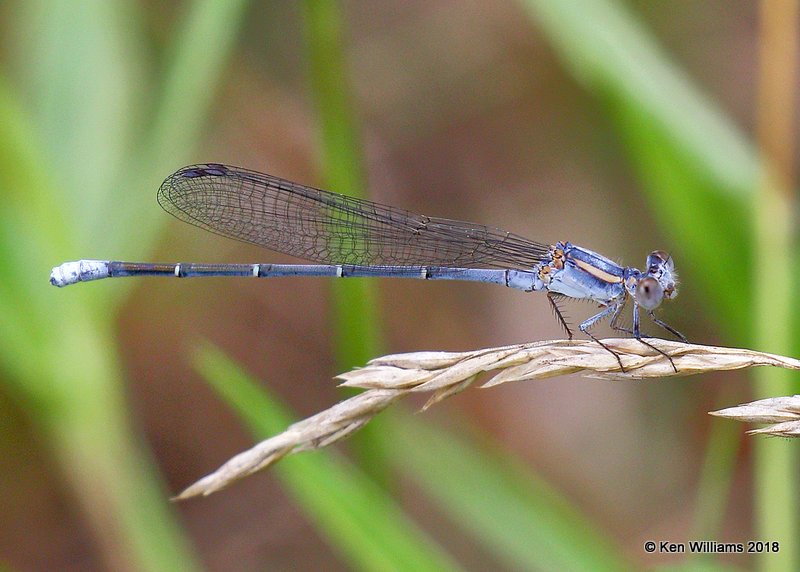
{"x": 782, "y": 414}
{"x": 442, "y": 374}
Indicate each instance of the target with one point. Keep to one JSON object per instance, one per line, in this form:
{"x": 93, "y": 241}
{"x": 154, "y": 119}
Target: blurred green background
{"x": 622, "y": 126}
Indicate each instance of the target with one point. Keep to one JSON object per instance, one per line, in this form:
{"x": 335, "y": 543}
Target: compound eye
{"x": 649, "y": 293}
{"x": 658, "y": 259}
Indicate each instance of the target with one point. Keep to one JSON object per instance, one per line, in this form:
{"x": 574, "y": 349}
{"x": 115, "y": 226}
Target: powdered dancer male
{"x": 352, "y": 238}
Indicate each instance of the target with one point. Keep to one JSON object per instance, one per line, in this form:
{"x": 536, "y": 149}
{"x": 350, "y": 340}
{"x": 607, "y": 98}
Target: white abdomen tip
{"x": 78, "y": 271}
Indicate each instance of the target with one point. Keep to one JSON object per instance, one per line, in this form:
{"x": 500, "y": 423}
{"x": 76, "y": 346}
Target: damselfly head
{"x": 661, "y": 267}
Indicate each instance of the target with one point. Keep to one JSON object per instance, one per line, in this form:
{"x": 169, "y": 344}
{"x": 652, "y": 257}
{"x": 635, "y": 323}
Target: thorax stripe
{"x": 597, "y": 272}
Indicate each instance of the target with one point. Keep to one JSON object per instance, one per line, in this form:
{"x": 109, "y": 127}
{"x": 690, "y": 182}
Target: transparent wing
{"x": 329, "y": 228}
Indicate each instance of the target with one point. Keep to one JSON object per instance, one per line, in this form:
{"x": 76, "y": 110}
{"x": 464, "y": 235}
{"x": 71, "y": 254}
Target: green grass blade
{"x": 715, "y": 480}
{"x": 682, "y": 195}
{"x": 60, "y": 365}
{"x": 355, "y": 307}
{"x": 80, "y": 73}
{"x": 610, "y": 52}
{"x": 359, "y": 519}
{"x": 697, "y": 168}
{"x": 512, "y": 512}
{"x": 774, "y": 301}
{"x": 63, "y": 160}
{"x": 196, "y": 66}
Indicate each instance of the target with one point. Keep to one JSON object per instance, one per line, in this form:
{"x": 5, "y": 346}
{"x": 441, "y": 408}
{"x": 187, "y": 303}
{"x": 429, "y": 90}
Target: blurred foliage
{"x": 63, "y": 156}
{"x": 77, "y": 121}
{"x": 355, "y": 301}
{"x": 367, "y": 527}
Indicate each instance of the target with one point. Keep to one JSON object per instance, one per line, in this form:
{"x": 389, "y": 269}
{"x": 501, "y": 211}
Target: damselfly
{"x": 351, "y": 237}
